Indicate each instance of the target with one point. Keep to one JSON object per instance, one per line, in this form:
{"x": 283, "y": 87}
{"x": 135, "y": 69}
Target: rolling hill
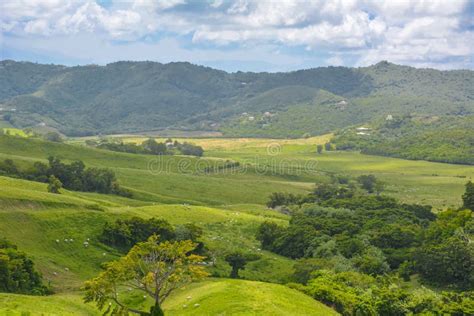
{"x": 146, "y": 96}
{"x": 214, "y": 297}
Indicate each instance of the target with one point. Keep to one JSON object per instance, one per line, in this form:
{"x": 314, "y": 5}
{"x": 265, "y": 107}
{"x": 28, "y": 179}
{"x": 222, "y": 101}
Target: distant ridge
{"x": 130, "y": 96}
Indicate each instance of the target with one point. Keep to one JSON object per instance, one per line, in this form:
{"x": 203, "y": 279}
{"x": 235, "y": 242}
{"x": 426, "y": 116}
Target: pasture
{"x": 296, "y": 163}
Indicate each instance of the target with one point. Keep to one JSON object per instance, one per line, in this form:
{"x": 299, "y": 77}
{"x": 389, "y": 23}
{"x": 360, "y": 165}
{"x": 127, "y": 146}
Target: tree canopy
{"x": 152, "y": 267}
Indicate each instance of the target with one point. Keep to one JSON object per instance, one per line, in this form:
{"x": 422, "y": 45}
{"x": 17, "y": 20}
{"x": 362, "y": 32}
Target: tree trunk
{"x": 156, "y": 310}
{"x": 234, "y": 274}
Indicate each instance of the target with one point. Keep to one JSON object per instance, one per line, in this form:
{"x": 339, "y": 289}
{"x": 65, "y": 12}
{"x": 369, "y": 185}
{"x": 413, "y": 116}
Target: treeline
{"x": 355, "y": 249}
{"x": 123, "y": 234}
{"x": 17, "y": 272}
{"x": 340, "y": 186}
{"x": 149, "y": 147}
{"x": 74, "y": 176}
{"x": 449, "y": 139}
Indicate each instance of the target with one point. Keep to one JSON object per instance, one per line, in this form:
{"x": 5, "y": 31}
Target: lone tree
{"x": 53, "y": 137}
{"x": 238, "y": 261}
{"x": 468, "y": 196}
{"x": 319, "y": 149}
{"x": 54, "y": 185}
{"x": 155, "y": 268}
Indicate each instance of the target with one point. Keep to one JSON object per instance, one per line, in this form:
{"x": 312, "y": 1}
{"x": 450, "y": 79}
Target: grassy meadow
{"x": 295, "y": 164}
{"x": 228, "y": 204}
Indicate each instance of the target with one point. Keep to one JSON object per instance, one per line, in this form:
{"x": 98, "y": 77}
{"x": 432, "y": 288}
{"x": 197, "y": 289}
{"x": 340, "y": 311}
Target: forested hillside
{"x": 433, "y": 138}
{"x": 144, "y": 96}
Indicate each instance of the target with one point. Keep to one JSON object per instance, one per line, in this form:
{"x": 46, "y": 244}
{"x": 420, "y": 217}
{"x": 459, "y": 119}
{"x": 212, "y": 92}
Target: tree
{"x": 280, "y": 199}
{"x": 372, "y": 261}
{"x": 319, "y": 149}
{"x": 53, "y": 137}
{"x": 123, "y": 234}
{"x": 327, "y": 146}
{"x": 155, "y": 148}
{"x": 9, "y": 167}
{"x": 54, "y": 185}
{"x": 450, "y": 261}
{"x": 155, "y": 268}
{"x": 18, "y": 273}
{"x": 368, "y": 182}
{"x": 468, "y": 196}
{"x": 267, "y": 233}
{"x": 238, "y": 261}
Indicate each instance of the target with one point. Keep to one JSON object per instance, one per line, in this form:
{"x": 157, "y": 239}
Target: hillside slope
{"x": 143, "y": 96}
{"x": 214, "y": 297}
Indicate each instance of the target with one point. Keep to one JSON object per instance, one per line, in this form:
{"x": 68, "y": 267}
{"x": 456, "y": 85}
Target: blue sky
{"x": 242, "y": 34}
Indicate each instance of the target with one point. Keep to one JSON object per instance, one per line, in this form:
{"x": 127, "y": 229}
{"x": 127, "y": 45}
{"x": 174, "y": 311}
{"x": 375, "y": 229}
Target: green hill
{"x": 215, "y": 297}
{"x": 144, "y": 96}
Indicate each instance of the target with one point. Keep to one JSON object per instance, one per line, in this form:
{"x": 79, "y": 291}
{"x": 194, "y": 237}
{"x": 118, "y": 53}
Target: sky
{"x": 241, "y": 35}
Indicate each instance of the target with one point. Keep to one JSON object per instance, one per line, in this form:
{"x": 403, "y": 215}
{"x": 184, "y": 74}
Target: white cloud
{"x": 335, "y": 61}
{"x": 239, "y": 7}
{"x": 38, "y": 27}
{"x": 216, "y": 3}
{"x": 410, "y": 32}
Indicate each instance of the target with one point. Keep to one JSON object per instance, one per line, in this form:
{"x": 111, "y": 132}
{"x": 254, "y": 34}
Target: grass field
{"x": 15, "y": 132}
{"x": 295, "y": 161}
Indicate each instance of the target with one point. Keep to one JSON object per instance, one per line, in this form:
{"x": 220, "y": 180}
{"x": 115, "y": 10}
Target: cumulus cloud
{"x": 426, "y": 32}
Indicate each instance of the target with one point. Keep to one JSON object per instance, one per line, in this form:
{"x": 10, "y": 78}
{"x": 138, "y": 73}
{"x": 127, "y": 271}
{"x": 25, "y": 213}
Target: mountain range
{"x": 128, "y": 97}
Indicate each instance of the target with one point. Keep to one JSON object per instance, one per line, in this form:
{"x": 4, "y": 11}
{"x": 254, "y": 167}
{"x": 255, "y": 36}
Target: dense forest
{"x": 357, "y": 250}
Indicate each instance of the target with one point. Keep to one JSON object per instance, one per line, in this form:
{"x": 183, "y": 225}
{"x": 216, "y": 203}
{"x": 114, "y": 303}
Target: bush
{"x": 54, "y": 185}
{"x": 17, "y": 272}
{"x": 123, "y": 234}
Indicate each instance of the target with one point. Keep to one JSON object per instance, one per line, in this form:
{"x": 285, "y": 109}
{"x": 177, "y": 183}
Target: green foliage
{"x": 319, "y": 149}
{"x": 365, "y": 233}
{"x": 280, "y": 199}
{"x": 468, "y": 196}
{"x": 238, "y": 261}
{"x": 369, "y": 183}
{"x": 54, "y": 185}
{"x": 149, "y": 146}
{"x": 17, "y": 272}
{"x": 123, "y": 234}
{"x": 371, "y": 261}
{"x": 443, "y": 139}
{"x": 447, "y": 254}
{"x": 352, "y": 293}
{"x": 53, "y": 137}
{"x": 74, "y": 176}
{"x": 155, "y": 268}
{"x": 267, "y": 233}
